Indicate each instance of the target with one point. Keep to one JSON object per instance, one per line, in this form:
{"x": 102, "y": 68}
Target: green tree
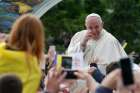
{"x": 124, "y": 22}
{"x": 94, "y": 6}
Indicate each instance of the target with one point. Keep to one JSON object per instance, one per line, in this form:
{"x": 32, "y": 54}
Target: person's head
{"x": 111, "y": 67}
{"x": 10, "y": 84}
{"x": 27, "y": 35}
{"x": 94, "y": 24}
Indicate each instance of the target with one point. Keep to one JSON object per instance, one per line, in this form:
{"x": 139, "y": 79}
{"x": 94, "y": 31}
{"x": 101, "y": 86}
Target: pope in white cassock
{"x": 96, "y": 43}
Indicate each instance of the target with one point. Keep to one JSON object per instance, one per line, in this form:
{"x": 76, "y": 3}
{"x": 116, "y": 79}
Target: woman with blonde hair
{"x": 21, "y": 54}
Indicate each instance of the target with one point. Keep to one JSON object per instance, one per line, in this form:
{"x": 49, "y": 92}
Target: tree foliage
{"x": 124, "y": 22}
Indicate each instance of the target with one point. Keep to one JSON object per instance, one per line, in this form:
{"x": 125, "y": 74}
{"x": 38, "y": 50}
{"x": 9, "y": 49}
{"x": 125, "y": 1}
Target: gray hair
{"x": 94, "y": 15}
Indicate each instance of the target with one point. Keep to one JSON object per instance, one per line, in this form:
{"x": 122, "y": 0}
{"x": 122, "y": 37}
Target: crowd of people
{"x": 11, "y": 9}
{"x": 22, "y": 55}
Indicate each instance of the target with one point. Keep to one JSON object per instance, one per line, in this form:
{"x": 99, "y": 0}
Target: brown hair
{"x": 27, "y": 35}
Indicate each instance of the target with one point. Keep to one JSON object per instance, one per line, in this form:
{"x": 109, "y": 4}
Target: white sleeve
{"x": 115, "y": 51}
{"x": 75, "y": 48}
{"x": 111, "y": 51}
{"x": 120, "y": 51}
{"x": 74, "y": 45}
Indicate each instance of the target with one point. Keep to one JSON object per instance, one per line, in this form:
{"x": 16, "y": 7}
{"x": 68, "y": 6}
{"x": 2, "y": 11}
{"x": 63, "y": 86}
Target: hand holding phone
{"x": 70, "y": 74}
{"x": 66, "y": 63}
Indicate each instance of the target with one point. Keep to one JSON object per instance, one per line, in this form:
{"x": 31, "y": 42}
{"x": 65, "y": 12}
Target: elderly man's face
{"x": 94, "y": 25}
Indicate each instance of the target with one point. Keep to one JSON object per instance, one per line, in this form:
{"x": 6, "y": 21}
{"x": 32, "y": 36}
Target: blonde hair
{"x": 27, "y": 35}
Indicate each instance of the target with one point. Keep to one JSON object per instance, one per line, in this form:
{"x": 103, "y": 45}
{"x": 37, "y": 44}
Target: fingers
{"x": 61, "y": 77}
{"x": 88, "y": 36}
{"x": 57, "y": 76}
{"x": 78, "y": 74}
{"x": 91, "y": 70}
{"x": 51, "y": 72}
{"x": 81, "y": 74}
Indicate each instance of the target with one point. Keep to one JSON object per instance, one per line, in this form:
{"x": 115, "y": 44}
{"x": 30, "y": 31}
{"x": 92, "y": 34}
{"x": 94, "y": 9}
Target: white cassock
{"x": 103, "y": 51}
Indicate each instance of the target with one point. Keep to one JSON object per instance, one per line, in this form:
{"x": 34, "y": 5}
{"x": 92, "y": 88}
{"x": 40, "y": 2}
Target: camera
{"x": 64, "y": 61}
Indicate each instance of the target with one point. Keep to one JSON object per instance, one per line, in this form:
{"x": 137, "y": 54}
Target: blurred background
{"x": 63, "y": 18}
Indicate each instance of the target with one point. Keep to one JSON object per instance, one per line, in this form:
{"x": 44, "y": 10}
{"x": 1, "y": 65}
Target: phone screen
{"x": 66, "y": 62}
{"x": 127, "y": 74}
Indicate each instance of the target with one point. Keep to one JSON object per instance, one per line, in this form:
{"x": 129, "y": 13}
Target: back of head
{"x": 10, "y": 84}
{"x": 111, "y": 67}
{"x": 27, "y": 35}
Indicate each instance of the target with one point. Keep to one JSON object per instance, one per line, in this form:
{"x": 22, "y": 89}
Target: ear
{"x": 102, "y": 24}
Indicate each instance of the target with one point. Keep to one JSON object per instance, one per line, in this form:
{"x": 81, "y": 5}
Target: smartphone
{"x": 67, "y": 65}
{"x": 66, "y": 62}
{"x": 127, "y": 73}
{"x": 70, "y": 74}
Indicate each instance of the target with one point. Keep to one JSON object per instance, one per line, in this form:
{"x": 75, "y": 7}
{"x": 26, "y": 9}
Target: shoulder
{"x": 80, "y": 33}
{"x": 109, "y": 37}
